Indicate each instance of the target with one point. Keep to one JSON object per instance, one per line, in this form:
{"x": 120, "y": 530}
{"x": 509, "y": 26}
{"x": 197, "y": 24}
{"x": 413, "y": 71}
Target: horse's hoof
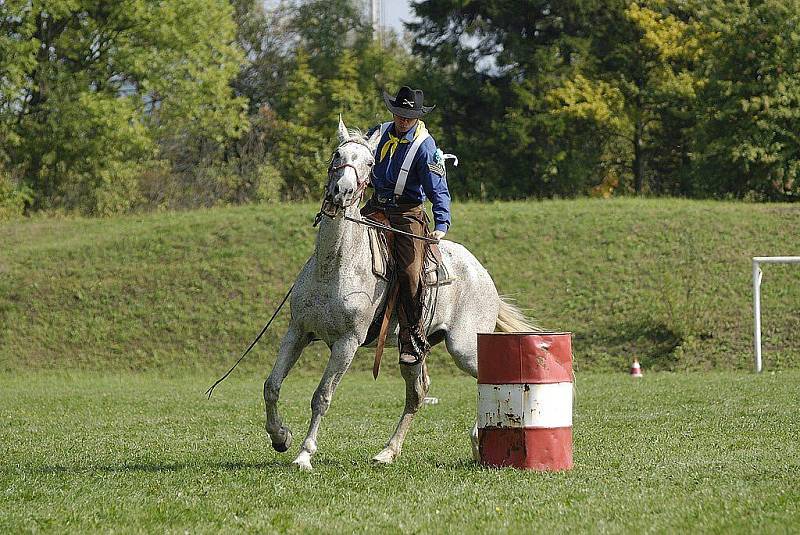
{"x": 386, "y": 456}
{"x": 281, "y": 447}
{"x": 303, "y": 462}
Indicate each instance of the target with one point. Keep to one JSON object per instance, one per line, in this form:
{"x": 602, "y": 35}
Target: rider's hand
{"x": 438, "y": 234}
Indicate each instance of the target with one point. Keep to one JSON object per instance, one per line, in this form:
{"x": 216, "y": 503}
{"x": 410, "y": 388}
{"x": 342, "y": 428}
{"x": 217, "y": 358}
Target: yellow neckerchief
{"x": 393, "y": 142}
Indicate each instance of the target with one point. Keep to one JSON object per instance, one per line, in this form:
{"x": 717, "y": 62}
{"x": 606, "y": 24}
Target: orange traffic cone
{"x": 636, "y": 368}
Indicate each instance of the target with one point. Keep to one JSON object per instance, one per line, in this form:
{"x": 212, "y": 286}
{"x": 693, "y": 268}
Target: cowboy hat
{"x": 407, "y": 103}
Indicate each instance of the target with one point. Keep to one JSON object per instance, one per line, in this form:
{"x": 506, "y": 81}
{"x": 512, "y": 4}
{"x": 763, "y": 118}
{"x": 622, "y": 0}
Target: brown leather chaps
{"x": 409, "y": 258}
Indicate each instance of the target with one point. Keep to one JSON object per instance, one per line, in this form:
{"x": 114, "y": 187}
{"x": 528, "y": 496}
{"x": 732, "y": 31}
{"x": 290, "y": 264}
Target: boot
{"x": 414, "y": 348}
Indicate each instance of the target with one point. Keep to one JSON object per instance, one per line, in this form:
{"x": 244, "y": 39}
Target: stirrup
{"x": 411, "y": 359}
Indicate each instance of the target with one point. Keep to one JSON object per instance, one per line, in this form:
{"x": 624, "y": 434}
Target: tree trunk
{"x": 639, "y": 164}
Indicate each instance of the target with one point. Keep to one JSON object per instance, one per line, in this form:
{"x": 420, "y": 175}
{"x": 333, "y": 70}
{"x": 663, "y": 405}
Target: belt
{"x": 393, "y": 201}
{"x": 383, "y": 200}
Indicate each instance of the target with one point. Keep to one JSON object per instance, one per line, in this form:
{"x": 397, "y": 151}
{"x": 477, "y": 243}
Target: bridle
{"x": 329, "y": 207}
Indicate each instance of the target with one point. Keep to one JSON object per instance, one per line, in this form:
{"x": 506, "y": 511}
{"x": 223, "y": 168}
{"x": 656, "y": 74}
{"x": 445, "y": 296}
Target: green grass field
{"x": 666, "y": 280}
{"x": 137, "y": 452}
{"x": 112, "y": 329}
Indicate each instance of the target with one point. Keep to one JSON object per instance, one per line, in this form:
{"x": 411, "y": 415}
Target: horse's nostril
{"x": 336, "y": 189}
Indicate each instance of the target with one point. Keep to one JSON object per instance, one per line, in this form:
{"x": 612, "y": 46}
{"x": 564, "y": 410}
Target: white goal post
{"x": 757, "y": 260}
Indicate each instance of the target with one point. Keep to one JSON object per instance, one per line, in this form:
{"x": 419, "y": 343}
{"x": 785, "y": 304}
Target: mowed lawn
{"x": 135, "y": 452}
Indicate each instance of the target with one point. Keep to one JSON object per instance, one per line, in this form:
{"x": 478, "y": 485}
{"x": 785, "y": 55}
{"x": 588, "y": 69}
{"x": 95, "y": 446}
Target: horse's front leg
{"x": 417, "y": 385}
{"x": 292, "y": 345}
{"x": 342, "y": 353}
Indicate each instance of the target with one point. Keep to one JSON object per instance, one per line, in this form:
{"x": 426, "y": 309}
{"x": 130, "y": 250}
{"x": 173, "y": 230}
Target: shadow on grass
{"x": 157, "y": 467}
{"x": 654, "y": 341}
{"x": 463, "y": 465}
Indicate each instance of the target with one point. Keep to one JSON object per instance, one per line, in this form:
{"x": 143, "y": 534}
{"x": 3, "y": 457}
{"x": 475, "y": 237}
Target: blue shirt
{"x": 424, "y": 178}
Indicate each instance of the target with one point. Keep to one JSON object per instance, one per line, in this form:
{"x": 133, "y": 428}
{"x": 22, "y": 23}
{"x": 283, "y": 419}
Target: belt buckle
{"x": 383, "y": 200}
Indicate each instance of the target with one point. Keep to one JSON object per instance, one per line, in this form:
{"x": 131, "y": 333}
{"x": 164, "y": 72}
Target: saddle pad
{"x": 435, "y": 270}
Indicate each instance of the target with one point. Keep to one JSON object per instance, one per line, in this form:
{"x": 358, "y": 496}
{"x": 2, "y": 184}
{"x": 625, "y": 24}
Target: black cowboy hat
{"x": 407, "y": 103}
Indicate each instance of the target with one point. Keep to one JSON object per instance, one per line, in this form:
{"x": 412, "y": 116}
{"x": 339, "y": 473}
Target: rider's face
{"x": 403, "y": 125}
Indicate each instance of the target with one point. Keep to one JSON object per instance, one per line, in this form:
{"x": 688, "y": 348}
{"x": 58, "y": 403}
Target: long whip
{"x": 366, "y": 222}
{"x": 211, "y": 390}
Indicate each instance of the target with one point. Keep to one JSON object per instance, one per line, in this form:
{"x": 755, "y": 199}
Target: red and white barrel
{"x": 525, "y": 400}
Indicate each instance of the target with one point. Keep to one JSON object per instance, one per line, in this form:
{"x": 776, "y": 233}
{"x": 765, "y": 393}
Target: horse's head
{"x": 349, "y": 171}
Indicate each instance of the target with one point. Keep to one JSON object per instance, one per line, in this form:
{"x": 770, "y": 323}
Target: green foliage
{"x": 670, "y": 453}
{"x": 748, "y": 141}
{"x": 659, "y": 97}
{"x": 95, "y": 86}
{"x": 335, "y": 69}
{"x": 112, "y": 107}
{"x": 300, "y": 139}
{"x": 83, "y": 153}
{"x": 642, "y": 74}
{"x": 489, "y": 66}
{"x": 13, "y": 197}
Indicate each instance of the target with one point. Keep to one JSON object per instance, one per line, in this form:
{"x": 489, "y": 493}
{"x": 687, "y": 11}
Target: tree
{"x": 747, "y": 143}
{"x": 643, "y": 76}
{"x": 267, "y": 38}
{"x": 101, "y": 83}
{"x": 489, "y": 66}
{"x": 336, "y": 68}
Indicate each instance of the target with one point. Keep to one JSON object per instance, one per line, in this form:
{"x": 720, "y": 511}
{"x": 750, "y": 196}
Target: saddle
{"x": 435, "y": 270}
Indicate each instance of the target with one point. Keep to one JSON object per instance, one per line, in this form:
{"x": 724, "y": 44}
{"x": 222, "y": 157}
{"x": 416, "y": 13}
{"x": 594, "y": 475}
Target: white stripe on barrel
{"x": 525, "y": 405}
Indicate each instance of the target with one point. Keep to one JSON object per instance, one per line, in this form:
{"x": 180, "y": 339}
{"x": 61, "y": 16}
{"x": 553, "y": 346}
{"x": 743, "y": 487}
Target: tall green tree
{"x": 99, "y": 84}
{"x": 325, "y": 28}
{"x": 748, "y": 143}
{"x": 267, "y": 38}
{"x": 336, "y": 68}
{"x": 643, "y": 71}
{"x": 489, "y": 66}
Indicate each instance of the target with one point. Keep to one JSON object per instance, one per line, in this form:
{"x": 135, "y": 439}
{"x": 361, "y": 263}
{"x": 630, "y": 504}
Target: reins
{"x": 381, "y": 226}
{"x": 328, "y": 206}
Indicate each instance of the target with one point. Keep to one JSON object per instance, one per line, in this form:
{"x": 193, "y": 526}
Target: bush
{"x": 14, "y": 197}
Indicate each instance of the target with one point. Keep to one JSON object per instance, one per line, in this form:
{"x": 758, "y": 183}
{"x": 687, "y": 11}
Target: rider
{"x": 404, "y": 211}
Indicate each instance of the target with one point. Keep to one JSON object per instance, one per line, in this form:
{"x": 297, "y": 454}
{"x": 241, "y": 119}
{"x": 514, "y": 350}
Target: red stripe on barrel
{"x": 532, "y": 448}
{"x": 508, "y": 358}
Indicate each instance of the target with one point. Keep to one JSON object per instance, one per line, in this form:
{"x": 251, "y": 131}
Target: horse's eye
{"x": 337, "y": 155}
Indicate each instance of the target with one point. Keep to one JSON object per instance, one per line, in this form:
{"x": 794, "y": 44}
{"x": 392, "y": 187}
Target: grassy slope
{"x": 667, "y": 280}
{"x": 671, "y": 453}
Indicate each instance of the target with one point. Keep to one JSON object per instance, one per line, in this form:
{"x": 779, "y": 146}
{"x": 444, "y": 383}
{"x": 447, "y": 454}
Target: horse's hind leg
{"x": 293, "y": 343}
{"x": 342, "y": 353}
{"x": 417, "y": 384}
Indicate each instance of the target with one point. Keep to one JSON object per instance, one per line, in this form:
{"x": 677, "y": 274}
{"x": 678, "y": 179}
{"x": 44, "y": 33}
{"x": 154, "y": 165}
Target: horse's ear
{"x": 374, "y": 139}
{"x": 343, "y": 134}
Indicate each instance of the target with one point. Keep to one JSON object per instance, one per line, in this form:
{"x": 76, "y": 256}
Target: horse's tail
{"x": 511, "y": 319}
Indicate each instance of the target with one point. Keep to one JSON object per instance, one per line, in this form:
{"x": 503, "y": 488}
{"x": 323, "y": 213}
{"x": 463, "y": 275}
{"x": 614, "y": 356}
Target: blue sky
{"x": 397, "y": 12}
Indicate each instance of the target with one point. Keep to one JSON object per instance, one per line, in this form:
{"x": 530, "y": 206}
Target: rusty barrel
{"x": 525, "y": 400}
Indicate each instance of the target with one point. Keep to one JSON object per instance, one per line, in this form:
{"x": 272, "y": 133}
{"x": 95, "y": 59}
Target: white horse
{"x": 336, "y": 296}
